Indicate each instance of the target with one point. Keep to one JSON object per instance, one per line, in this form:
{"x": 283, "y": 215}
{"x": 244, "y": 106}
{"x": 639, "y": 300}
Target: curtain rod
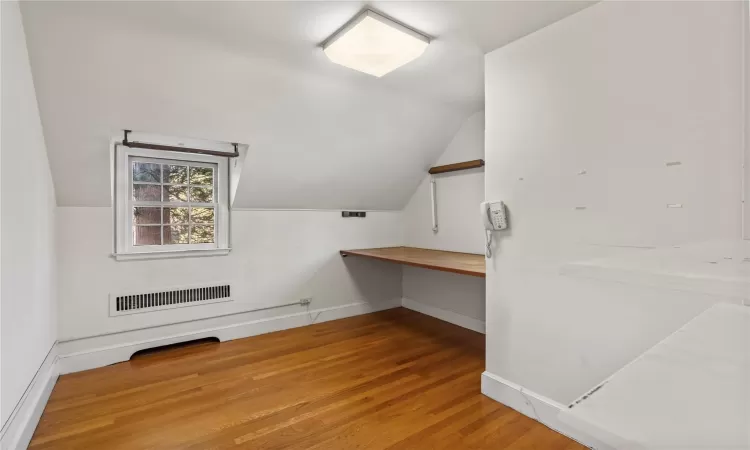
{"x": 171, "y": 148}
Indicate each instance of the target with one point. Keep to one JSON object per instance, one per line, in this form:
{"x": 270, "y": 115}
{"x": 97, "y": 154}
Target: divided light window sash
{"x": 170, "y": 204}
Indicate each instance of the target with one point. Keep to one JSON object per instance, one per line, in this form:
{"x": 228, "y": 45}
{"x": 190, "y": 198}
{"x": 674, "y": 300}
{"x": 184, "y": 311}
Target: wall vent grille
{"x": 133, "y": 303}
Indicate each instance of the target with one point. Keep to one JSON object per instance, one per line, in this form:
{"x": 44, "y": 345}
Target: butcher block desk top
{"x": 463, "y": 263}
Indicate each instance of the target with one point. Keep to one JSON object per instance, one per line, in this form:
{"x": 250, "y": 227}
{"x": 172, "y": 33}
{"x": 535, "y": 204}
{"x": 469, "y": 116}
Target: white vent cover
{"x": 139, "y": 302}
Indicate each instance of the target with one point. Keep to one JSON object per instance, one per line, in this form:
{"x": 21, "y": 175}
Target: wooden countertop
{"x": 463, "y": 263}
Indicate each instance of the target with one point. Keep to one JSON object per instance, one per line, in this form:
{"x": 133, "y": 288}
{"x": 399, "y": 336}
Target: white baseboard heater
{"x": 140, "y": 302}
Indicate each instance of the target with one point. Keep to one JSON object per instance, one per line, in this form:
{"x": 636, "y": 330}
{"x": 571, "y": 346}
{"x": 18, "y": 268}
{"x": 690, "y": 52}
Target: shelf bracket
{"x": 433, "y": 192}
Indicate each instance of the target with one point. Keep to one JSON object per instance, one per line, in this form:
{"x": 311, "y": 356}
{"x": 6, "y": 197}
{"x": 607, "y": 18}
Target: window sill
{"x": 171, "y": 254}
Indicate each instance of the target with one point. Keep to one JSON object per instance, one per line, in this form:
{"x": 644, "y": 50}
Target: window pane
{"x": 202, "y": 234}
{"x": 175, "y": 193}
{"x": 146, "y": 172}
{"x": 175, "y": 215}
{"x": 147, "y": 192}
{"x": 202, "y": 215}
{"x": 202, "y": 175}
{"x": 146, "y": 215}
{"x": 175, "y": 174}
{"x": 202, "y": 194}
{"x": 176, "y": 234}
{"x": 149, "y": 235}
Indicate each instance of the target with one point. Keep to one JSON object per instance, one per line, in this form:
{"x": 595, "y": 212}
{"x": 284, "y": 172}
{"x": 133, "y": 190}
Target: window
{"x": 170, "y": 204}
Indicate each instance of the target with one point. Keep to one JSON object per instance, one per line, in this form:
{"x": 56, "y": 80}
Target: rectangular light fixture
{"x": 374, "y": 44}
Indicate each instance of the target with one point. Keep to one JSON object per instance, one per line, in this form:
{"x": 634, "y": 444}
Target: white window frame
{"x": 123, "y": 188}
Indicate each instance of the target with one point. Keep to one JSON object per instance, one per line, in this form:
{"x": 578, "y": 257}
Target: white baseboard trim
{"x": 535, "y": 406}
{"x": 19, "y": 429}
{"x": 100, "y": 355}
{"x": 445, "y": 315}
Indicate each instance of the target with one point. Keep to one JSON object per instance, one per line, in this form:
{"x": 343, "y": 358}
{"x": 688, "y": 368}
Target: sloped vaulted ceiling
{"x": 320, "y": 135}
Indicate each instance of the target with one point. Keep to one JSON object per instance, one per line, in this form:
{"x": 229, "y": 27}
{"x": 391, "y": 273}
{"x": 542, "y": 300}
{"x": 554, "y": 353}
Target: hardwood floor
{"x": 391, "y": 380}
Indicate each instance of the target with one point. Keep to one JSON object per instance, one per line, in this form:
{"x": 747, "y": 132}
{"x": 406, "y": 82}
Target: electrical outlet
{"x": 305, "y": 301}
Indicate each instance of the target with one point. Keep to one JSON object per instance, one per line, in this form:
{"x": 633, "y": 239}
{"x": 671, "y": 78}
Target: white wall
{"x": 459, "y": 194}
{"x": 320, "y": 136}
{"x": 460, "y": 230}
{"x": 617, "y": 90}
{"x": 277, "y": 257}
{"x": 746, "y": 75}
{"x": 27, "y": 240}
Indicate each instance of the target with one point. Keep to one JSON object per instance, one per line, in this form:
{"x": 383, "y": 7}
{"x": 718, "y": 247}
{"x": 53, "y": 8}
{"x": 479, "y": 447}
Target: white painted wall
{"x": 460, "y": 230}
{"x": 617, "y": 90}
{"x": 320, "y": 135}
{"x": 746, "y": 76}
{"x": 459, "y": 194}
{"x": 28, "y": 300}
{"x": 277, "y": 257}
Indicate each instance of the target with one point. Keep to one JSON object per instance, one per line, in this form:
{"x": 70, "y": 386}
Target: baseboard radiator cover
{"x": 99, "y": 351}
{"x": 123, "y": 303}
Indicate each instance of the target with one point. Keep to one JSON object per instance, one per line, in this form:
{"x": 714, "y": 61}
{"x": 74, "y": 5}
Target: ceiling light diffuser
{"x": 374, "y": 44}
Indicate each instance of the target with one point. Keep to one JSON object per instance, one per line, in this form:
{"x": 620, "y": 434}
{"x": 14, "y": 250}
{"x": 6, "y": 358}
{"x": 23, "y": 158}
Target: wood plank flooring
{"x": 391, "y": 380}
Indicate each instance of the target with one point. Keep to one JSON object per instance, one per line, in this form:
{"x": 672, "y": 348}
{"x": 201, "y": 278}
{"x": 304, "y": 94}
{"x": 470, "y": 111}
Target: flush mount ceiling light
{"x": 374, "y": 44}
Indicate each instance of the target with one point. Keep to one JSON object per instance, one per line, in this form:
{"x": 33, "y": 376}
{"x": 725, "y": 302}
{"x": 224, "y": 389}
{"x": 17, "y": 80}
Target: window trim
{"x": 124, "y": 248}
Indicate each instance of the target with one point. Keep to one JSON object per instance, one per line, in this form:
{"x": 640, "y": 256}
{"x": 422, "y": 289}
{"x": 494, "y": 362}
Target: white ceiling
{"x": 320, "y": 135}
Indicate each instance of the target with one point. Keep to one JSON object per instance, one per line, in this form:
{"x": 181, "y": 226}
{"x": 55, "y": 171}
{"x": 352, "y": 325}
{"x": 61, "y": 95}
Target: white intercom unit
{"x": 494, "y": 218}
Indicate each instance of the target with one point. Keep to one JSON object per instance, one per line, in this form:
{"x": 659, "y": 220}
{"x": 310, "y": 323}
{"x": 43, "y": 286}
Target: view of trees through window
{"x": 173, "y": 203}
